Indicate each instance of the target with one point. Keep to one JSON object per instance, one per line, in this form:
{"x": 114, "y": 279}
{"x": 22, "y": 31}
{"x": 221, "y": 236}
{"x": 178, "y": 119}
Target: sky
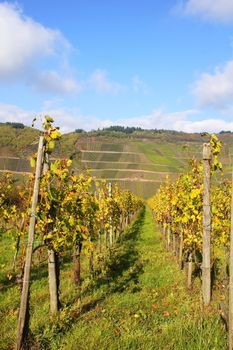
{"x": 90, "y": 64}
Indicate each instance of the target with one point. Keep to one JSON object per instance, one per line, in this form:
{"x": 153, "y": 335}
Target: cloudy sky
{"x": 90, "y": 64}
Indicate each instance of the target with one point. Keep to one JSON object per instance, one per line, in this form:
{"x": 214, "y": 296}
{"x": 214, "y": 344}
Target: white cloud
{"x": 208, "y": 125}
{"x": 29, "y": 49}
{"x": 23, "y": 41}
{"x": 214, "y": 10}
{"x": 215, "y": 90}
{"x": 52, "y": 81}
{"x": 71, "y": 119}
{"x": 12, "y": 113}
{"x": 26, "y": 46}
{"x": 100, "y": 82}
{"x": 159, "y": 119}
{"x": 67, "y": 119}
{"x": 179, "y": 121}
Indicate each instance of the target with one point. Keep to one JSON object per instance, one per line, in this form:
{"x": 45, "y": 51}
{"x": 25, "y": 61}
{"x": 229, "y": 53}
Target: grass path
{"x": 145, "y": 304}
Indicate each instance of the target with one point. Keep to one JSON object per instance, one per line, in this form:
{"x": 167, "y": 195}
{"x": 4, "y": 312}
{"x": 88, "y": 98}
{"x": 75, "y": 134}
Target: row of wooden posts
{"x": 175, "y": 244}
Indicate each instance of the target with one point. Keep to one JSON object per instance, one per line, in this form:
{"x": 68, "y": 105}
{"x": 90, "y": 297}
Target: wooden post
{"x": 190, "y": 270}
{"x": 91, "y": 257}
{"x": 91, "y": 264}
{"x": 110, "y": 219}
{"x": 181, "y": 244}
{"x": 105, "y": 239}
{"x": 169, "y": 237}
{"x": 100, "y": 229}
{"x": 99, "y": 241}
{"x": 120, "y": 236}
{"x": 174, "y": 243}
{"x": 18, "y": 244}
{"x": 177, "y": 247}
{"x": 53, "y": 274}
{"x": 77, "y": 264}
{"x": 53, "y": 265}
{"x": 163, "y": 232}
{"x": 230, "y": 331}
{"x": 206, "y": 247}
{"x": 23, "y": 321}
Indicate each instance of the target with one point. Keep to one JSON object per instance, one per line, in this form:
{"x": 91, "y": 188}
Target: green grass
{"x": 139, "y": 302}
{"x": 135, "y": 166}
{"x": 102, "y": 146}
{"x": 136, "y": 174}
{"x": 163, "y": 154}
{"x": 115, "y": 157}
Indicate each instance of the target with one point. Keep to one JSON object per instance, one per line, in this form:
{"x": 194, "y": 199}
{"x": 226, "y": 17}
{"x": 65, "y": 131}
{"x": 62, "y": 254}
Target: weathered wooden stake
{"x": 23, "y": 321}
{"x": 163, "y": 232}
{"x": 100, "y": 231}
{"x": 168, "y": 237}
{"x": 105, "y": 239}
{"x": 174, "y": 243}
{"x": 206, "y": 247}
{"x": 110, "y": 219}
{"x": 99, "y": 241}
{"x": 190, "y": 270}
{"x": 53, "y": 265}
{"x": 91, "y": 257}
{"x": 18, "y": 244}
{"x": 53, "y": 274}
{"x": 230, "y": 331}
{"x": 181, "y": 244}
{"x": 77, "y": 264}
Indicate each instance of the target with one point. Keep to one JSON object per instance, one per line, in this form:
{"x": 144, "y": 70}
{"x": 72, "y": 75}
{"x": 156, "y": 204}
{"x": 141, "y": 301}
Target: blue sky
{"x": 91, "y": 64}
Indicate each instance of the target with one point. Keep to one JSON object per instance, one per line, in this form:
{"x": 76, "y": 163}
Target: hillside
{"x": 140, "y": 160}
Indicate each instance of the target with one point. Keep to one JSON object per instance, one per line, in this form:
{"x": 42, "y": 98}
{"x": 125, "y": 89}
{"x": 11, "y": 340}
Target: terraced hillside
{"x": 140, "y": 161}
{"x": 140, "y": 165}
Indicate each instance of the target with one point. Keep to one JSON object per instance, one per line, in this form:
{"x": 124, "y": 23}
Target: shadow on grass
{"x": 123, "y": 266}
{"x": 6, "y": 283}
{"x": 122, "y": 271}
{"x": 39, "y": 271}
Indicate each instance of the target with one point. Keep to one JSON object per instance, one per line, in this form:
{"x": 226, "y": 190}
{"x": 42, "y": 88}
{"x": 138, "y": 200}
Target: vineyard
{"x": 194, "y": 214}
{"x": 88, "y": 264}
{"x": 71, "y": 215}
